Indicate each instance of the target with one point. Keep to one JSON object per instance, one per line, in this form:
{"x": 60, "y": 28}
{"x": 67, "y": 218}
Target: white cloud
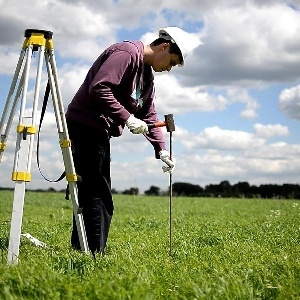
{"x": 8, "y": 60}
{"x": 174, "y": 98}
{"x": 243, "y": 44}
{"x": 217, "y": 138}
{"x": 78, "y": 31}
{"x": 267, "y": 131}
{"x": 289, "y": 102}
{"x": 242, "y": 95}
{"x": 71, "y": 77}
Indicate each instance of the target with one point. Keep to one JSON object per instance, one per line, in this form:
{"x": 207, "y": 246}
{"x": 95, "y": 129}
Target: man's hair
{"x": 174, "y": 49}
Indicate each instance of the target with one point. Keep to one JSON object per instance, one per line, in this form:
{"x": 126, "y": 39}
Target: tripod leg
{"x": 23, "y": 155}
{"x": 5, "y": 133}
{"x": 65, "y": 146}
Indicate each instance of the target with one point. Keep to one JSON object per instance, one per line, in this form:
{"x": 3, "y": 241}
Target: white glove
{"x": 165, "y": 157}
{"x": 136, "y": 126}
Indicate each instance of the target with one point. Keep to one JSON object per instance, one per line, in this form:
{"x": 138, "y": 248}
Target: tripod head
{"x": 36, "y": 38}
{"x": 47, "y": 34}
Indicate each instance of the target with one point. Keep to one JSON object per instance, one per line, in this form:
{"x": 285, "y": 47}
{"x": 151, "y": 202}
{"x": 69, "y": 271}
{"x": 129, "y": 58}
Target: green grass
{"x": 221, "y": 249}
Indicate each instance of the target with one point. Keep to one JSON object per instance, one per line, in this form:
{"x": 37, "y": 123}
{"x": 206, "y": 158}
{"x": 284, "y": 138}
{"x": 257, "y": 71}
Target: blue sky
{"x": 236, "y": 102}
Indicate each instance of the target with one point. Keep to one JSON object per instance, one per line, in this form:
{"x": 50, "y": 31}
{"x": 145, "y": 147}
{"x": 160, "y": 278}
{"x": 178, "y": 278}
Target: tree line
{"x": 238, "y": 190}
{"x": 224, "y": 189}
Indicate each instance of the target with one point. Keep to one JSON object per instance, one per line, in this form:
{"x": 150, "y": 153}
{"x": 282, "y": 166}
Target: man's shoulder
{"x": 132, "y": 47}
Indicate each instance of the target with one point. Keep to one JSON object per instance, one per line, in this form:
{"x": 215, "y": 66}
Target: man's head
{"x": 177, "y": 37}
{"x": 167, "y": 55}
{"x": 173, "y": 48}
{"x": 170, "y": 48}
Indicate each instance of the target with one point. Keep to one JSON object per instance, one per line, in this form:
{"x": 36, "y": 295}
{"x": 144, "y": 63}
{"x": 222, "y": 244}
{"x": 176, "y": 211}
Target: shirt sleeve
{"x": 113, "y": 70}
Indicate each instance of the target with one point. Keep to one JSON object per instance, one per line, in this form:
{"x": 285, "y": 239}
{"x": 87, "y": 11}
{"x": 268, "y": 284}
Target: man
{"x": 118, "y": 91}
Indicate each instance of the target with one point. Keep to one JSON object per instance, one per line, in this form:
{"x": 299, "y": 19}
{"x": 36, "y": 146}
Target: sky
{"x": 236, "y": 102}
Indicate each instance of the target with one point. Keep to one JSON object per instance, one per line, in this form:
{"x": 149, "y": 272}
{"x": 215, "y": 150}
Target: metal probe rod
{"x": 170, "y": 196}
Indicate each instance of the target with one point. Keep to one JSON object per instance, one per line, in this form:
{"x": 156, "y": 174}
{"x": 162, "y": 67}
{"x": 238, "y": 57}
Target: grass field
{"x": 222, "y": 249}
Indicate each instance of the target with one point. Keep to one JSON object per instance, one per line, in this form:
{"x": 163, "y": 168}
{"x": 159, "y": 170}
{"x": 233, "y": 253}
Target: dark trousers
{"x": 91, "y": 155}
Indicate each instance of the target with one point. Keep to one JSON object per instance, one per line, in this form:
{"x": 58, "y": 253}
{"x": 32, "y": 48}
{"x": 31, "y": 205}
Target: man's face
{"x": 164, "y": 61}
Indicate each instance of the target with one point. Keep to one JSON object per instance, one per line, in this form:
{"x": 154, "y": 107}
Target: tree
{"x": 241, "y": 189}
{"x": 153, "y": 191}
{"x": 187, "y": 189}
{"x": 225, "y": 188}
{"x": 131, "y": 191}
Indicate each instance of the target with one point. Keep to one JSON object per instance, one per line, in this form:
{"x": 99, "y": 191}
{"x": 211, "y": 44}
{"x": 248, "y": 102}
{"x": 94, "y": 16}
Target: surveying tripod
{"x": 35, "y": 41}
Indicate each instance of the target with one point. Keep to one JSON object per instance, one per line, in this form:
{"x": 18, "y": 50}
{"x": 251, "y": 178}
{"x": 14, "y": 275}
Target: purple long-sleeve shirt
{"x": 110, "y": 93}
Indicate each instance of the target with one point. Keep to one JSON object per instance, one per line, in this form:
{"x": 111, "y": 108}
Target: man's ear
{"x": 163, "y": 46}
{"x": 166, "y": 46}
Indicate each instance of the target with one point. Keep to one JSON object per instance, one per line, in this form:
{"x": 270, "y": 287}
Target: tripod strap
{"x": 46, "y": 96}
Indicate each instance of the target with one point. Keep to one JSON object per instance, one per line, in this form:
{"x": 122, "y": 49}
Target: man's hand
{"x": 136, "y": 126}
{"x": 170, "y": 164}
